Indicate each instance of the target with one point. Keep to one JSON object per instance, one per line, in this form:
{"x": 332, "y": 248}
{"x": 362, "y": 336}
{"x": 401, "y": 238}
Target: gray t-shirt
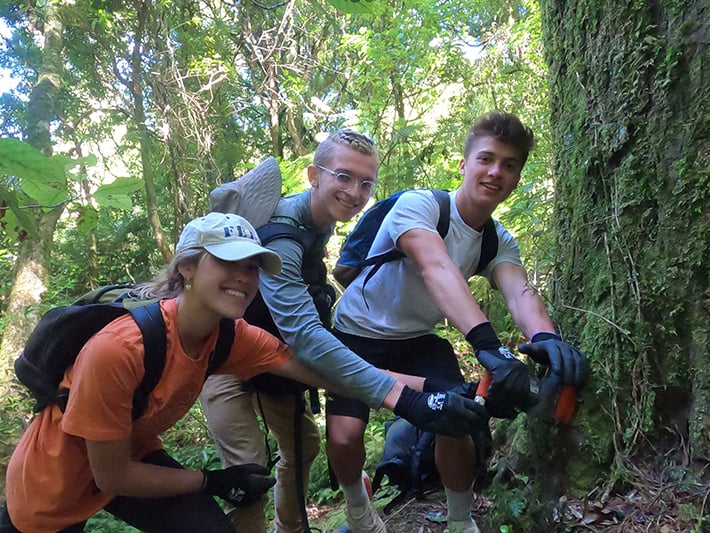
{"x": 395, "y": 303}
{"x": 295, "y": 314}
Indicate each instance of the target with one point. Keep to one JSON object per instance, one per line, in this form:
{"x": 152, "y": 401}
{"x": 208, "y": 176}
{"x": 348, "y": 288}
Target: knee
{"x": 453, "y": 447}
{"x": 344, "y": 439}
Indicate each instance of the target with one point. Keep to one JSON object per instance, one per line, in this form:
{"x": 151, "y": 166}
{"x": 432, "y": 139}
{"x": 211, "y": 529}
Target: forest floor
{"x": 653, "y": 503}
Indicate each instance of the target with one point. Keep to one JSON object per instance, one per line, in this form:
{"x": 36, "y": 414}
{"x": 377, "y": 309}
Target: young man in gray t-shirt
{"x": 389, "y": 319}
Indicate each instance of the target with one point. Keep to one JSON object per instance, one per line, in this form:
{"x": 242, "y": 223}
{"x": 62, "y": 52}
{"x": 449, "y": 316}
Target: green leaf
{"x": 9, "y": 224}
{"x": 87, "y": 219}
{"x": 117, "y": 194}
{"x": 87, "y": 161}
{"x": 356, "y": 7}
{"x": 42, "y": 178}
{"x": 14, "y": 219}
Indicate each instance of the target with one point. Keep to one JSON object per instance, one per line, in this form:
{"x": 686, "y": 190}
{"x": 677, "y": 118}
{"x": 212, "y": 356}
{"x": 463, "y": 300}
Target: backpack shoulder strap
{"x": 150, "y": 321}
{"x": 444, "y": 200}
{"x": 223, "y": 345}
{"x": 489, "y": 245}
{"x": 279, "y": 230}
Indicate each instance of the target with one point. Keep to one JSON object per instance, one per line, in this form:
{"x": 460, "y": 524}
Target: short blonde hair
{"x": 345, "y": 137}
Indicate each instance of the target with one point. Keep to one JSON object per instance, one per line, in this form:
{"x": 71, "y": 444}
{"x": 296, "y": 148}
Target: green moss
{"x": 632, "y": 220}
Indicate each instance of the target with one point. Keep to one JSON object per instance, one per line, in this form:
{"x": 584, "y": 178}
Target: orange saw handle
{"x": 566, "y": 404}
{"x": 482, "y": 389}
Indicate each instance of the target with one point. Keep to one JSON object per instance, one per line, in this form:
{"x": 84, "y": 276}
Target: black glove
{"x": 510, "y": 385}
{"x": 468, "y": 389}
{"x": 565, "y": 361}
{"x": 240, "y": 485}
{"x": 444, "y": 413}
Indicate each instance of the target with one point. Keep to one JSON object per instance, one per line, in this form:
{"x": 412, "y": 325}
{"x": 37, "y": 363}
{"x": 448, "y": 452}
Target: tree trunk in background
{"x": 630, "y": 100}
{"x": 32, "y": 266}
{"x": 145, "y": 139}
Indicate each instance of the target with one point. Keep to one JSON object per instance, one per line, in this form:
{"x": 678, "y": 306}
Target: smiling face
{"x": 491, "y": 171}
{"x": 222, "y": 288}
{"x": 329, "y": 201}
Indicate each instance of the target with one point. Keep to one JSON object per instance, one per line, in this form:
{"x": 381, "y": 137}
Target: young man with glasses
{"x": 342, "y": 178}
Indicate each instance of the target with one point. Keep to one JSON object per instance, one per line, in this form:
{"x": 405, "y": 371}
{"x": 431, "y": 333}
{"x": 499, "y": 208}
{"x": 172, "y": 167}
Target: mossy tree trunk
{"x": 630, "y": 100}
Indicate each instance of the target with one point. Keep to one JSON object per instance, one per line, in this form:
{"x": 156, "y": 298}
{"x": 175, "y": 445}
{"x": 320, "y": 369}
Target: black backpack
{"x": 62, "y": 332}
{"x": 314, "y": 274}
{"x": 355, "y": 249}
{"x": 407, "y": 461}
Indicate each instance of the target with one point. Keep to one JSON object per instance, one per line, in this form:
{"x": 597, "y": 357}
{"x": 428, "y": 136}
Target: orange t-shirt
{"x": 49, "y": 482}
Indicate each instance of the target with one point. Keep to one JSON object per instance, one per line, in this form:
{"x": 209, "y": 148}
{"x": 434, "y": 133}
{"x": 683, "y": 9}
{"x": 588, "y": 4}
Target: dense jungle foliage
{"x": 118, "y": 117}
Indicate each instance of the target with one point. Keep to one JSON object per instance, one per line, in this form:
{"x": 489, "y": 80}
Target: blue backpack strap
{"x": 150, "y": 321}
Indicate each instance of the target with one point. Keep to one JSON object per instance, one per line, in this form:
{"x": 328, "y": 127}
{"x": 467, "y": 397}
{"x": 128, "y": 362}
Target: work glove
{"x": 240, "y": 485}
{"x": 469, "y": 389}
{"x": 566, "y": 362}
{"x": 443, "y": 413}
{"x": 482, "y": 439}
{"x": 510, "y": 384}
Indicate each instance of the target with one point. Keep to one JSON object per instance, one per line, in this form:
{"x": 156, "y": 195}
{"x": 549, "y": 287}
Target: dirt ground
{"x": 650, "y": 507}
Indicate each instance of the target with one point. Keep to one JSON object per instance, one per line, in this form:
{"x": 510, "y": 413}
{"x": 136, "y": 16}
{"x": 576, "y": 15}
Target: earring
{"x": 188, "y": 285}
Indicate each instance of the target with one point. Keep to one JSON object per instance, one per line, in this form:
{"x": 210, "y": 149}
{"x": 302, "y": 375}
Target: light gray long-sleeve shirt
{"x": 292, "y": 308}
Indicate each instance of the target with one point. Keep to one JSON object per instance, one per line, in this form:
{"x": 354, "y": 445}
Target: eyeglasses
{"x": 346, "y": 181}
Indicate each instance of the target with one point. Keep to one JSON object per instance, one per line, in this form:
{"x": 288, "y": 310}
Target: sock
{"x": 356, "y": 494}
{"x": 458, "y": 505}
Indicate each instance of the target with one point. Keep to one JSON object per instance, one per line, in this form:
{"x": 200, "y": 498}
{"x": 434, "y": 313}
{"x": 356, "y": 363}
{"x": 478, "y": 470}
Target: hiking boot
{"x": 463, "y": 526}
{"x": 365, "y": 520}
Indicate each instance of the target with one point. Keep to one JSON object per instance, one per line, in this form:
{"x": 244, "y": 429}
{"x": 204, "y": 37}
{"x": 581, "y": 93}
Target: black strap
{"x": 489, "y": 245}
{"x": 222, "y": 347}
{"x": 279, "y": 230}
{"x": 150, "y": 321}
{"x": 299, "y": 411}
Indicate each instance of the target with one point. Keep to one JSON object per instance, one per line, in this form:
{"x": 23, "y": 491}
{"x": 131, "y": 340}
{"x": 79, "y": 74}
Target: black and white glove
{"x": 510, "y": 384}
{"x": 469, "y": 389}
{"x": 240, "y": 485}
{"x": 566, "y": 362}
{"x": 444, "y": 413}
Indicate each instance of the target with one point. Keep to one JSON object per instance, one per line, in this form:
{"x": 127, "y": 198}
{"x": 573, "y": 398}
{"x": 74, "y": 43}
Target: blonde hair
{"x": 350, "y": 138}
{"x": 170, "y": 283}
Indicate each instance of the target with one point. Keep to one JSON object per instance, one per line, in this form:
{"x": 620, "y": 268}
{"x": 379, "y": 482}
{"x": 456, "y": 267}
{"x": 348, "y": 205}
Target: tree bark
{"x": 144, "y": 135}
{"x": 32, "y": 265}
{"x": 630, "y": 102}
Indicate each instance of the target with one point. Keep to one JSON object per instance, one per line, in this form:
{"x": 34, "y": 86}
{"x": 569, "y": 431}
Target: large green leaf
{"x": 42, "y": 178}
{"x": 117, "y": 194}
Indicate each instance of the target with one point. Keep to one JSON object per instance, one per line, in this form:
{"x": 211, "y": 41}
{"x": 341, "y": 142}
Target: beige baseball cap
{"x": 228, "y": 237}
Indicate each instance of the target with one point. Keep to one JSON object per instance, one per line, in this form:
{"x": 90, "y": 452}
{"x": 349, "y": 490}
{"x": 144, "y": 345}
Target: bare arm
{"x": 116, "y": 473}
{"x": 526, "y": 307}
{"x": 442, "y": 278}
{"x": 344, "y": 274}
